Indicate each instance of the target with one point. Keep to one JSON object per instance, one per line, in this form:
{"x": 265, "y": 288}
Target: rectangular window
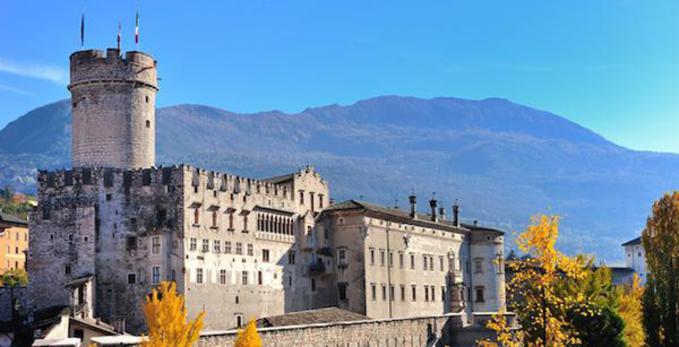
{"x": 400, "y": 260}
{"x": 391, "y": 292}
{"x": 478, "y": 266}
{"x": 342, "y": 257}
{"x": 196, "y": 216}
{"x": 291, "y": 257}
{"x": 214, "y": 219}
{"x": 313, "y": 285}
{"x": 479, "y": 294}
{"x": 222, "y": 276}
{"x": 217, "y": 246}
{"x": 414, "y": 292}
{"x": 155, "y": 275}
{"x": 250, "y": 249}
{"x": 372, "y": 256}
{"x": 199, "y": 275}
{"x": 131, "y": 278}
{"x": 432, "y": 290}
{"x": 412, "y": 261}
{"x": 342, "y": 291}
{"x": 424, "y": 262}
{"x": 206, "y": 246}
{"x": 239, "y": 248}
{"x": 443, "y": 293}
{"x": 244, "y": 278}
{"x": 155, "y": 245}
{"x": 260, "y": 278}
{"x": 403, "y": 293}
{"x": 381, "y": 257}
{"x": 441, "y": 262}
{"x": 390, "y": 259}
{"x": 384, "y": 293}
{"x": 265, "y": 255}
{"x": 227, "y": 247}
{"x": 426, "y": 294}
{"x": 301, "y": 197}
{"x": 193, "y": 244}
{"x": 373, "y": 291}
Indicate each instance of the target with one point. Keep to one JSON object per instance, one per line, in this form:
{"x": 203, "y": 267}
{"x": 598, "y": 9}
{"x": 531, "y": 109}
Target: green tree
{"x": 661, "y": 240}
{"x": 14, "y": 278}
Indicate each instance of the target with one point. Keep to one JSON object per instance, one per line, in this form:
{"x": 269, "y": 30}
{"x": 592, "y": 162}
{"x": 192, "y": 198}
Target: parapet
{"x": 95, "y": 66}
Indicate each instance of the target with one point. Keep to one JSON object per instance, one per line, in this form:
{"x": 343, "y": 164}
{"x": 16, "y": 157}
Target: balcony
{"x": 317, "y": 268}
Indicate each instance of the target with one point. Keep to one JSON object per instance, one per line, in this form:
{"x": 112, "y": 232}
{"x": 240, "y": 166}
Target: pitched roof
{"x": 279, "y": 179}
{"x": 402, "y": 216}
{"x": 321, "y": 315}
{"x": 636, "y": 241}
{"x": 6, "y": 218}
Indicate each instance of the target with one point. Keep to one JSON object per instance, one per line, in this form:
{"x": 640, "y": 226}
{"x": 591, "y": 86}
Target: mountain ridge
{"x": 505, "y": 161}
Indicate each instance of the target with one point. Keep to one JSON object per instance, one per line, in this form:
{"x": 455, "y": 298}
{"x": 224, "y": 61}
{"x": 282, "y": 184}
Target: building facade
{"x": 635, "y": 258}
{"x": 107, "y": 231}
{"x": 13, "y": 242}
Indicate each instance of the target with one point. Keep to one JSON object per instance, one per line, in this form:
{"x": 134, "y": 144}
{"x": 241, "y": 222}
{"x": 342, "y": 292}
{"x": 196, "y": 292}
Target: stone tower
{"x": 113, "y": 101}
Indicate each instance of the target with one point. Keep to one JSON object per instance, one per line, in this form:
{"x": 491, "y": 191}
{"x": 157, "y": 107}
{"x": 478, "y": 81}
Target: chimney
{"x": 413, "y": 208}
{"x": 432, "y": 204}
{"x": 456, "y": 214}
{"x": 442, "y": 213}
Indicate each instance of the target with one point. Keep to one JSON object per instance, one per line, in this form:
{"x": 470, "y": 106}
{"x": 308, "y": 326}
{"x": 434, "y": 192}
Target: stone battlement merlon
{"x": 91, "y": 66}
{"x": 236, "y": 184}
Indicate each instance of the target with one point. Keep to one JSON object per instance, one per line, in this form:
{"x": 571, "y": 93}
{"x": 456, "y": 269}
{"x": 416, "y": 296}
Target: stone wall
{"x": 113, "y": 106}
{"x": 6, "y": 294}
{"x": 444, "y": 330}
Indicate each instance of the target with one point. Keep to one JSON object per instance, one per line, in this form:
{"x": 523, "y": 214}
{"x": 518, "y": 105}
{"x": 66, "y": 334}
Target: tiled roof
{"x": 403, "y": 216}
{"x": 6, "y": 218}
{"x": 636, "y": 241}
{"x": 321, "y": 315}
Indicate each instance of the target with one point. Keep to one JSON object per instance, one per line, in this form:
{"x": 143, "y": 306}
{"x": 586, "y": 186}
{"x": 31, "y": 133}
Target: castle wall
{"x": 443, "y": 330}
{"x": 103, "y": 223}
{"x": 241, "y": 247}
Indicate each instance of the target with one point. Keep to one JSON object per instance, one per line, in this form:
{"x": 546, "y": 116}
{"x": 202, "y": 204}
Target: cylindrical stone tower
{"x": 113, "y": 107}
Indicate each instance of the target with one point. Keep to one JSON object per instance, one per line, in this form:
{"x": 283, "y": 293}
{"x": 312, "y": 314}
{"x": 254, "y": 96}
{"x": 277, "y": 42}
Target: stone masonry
{"x": 113, "y": 106}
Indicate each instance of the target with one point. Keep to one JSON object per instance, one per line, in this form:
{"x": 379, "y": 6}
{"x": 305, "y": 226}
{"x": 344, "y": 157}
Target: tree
{"x": 541, "y": 311}
{"x": 594, "y": 315}
{"x": 249, "y": 337}
{"x": 166, "y": 318}
{"x": 661, "y": 302}
{"x": 631, "y": 312}
{"x": 14, "y": 278}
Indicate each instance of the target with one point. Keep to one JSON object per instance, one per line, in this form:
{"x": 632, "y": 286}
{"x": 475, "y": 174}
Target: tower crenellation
{"x": 113, "y": 106}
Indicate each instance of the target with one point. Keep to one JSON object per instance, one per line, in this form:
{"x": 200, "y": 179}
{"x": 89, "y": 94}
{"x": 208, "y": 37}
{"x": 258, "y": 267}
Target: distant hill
{"x": 504, "y": 161}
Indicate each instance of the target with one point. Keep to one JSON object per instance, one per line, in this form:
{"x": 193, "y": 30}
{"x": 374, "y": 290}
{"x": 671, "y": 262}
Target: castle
{"x": 111, "y": 228}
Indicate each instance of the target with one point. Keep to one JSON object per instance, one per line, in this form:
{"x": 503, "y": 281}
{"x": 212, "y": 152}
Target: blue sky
{"x": 612, "y": 66}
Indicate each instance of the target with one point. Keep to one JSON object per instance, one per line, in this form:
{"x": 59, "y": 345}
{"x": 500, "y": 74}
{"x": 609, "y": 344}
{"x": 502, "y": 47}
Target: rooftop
{"x": 402, "y": 216}
{"x": 632, "y": 242}
{"x": 6, "y": 218}
{"x": 321, "y": 315}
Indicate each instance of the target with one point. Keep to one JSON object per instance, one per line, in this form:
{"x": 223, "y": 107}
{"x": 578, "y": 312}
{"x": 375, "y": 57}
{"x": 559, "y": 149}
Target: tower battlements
{"x": 113, "y": 106}
{"x": 95, "y": 66}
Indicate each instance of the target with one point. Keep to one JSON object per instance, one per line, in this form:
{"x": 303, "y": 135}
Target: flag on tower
{"x": 136, "y": 29}
{"x": 82, "y": 30}
{"x": 119, "y": 34}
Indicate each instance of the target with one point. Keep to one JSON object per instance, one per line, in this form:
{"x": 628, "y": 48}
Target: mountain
{"x": 503, "y": 161}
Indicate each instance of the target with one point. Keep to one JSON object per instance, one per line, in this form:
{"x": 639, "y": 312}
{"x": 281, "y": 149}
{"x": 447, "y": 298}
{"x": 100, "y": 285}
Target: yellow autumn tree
{"x": 166, "y": 318}
{"x": 534, "y": 288}
{"x": 249, "y": 337}
{"x": 631, "y": 311}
